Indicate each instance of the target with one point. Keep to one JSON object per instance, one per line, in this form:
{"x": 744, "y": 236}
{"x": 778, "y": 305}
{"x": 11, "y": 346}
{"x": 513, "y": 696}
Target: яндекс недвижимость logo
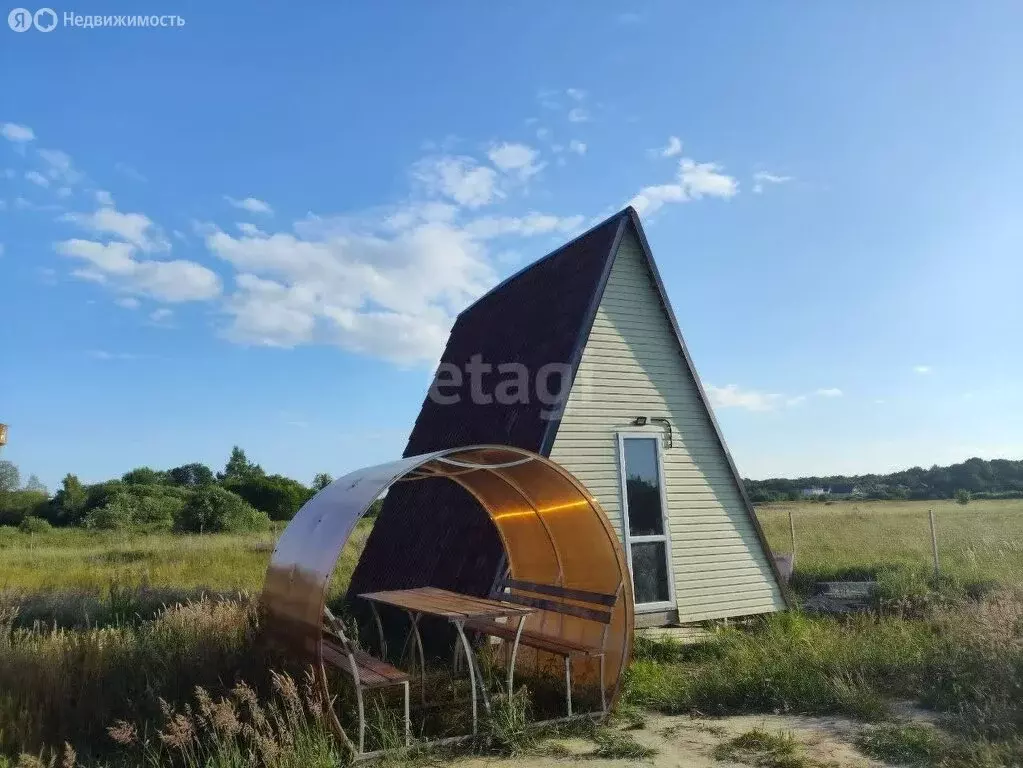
{"x": 46, "y": 20}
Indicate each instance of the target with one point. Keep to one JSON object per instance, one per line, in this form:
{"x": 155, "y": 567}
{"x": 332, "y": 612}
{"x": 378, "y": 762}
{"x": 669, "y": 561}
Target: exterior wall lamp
{"x": 641, "y": 421}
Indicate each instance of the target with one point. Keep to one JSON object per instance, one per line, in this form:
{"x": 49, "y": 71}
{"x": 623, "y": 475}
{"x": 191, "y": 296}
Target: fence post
{"x": 934, "y": 544}
{"x": 792, "y": 538}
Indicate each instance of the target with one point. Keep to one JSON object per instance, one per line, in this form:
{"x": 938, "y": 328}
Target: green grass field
{"x": 980, "y": 541}
{"x": 976, "y": 542}
{"x": 75, "y": 559}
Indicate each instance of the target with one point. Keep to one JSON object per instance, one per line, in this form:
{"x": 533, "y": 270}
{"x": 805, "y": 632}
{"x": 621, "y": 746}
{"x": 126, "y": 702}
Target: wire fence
{"x": 979, "y": 541}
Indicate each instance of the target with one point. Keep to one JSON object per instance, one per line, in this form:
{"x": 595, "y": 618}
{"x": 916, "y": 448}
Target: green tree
{"x": 69, "y": 502}
{"x": 321, "y": 481}
{"x": 239, "y": 467}
{"x": 212, "y": 509}
{"x": 280, "y": 497}
{"x": 144, "y": 476}
{"x": 962, "y": 496}
{"x": 35, "y": 484}
{"x": 33, "y": 524}
{"x": 192, "y": 475}
{"x": 10, "y": 478}
{"x": 15, "y": 506}
{"x": 141, "y": 507}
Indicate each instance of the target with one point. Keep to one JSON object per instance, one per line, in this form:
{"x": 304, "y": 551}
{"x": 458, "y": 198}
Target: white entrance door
{"x": 644, "y": 508}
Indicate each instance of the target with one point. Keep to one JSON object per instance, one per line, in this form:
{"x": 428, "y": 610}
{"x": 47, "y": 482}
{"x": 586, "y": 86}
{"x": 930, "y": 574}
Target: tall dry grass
{"x": 60, "y": 684}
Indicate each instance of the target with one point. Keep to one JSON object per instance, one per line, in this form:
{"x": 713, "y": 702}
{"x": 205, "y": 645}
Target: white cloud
{"x": 923, "y": 370}
{"x": 731, "y": 396}
{"x": 577, "y": 146}
{"x": 516, "y": 158}
{"x": 161, "y": 315}
{"x": 250, "y": 204}
{"x": 578, "y": 115}
{"x": 576, "y": 93}
{"x": 831, "y": 392}
{"x": 64, "y": 192}
{"x": 136, "y": 228}
{"x": 19, "y": 134}
{"x": 59, "y": 166}
{"x": 699, "y": 179}
{"x": 249, "y": 230}
{"x": 526, "y": 226}
{"x": 37, "y": 178}
{"x": 694, "y": 181}
{"x": 760, "y": 178}
{"x": 362, "y": 285}
{"x": 673, "y": 147}
{"x": 386, "y": 282}
{"x": 128, "y": 302}
{"x": 650, "y": 199}
{"x": 114, "y": 262}
{"x": 459, "y": 179}
{"x": 104, "y": 198}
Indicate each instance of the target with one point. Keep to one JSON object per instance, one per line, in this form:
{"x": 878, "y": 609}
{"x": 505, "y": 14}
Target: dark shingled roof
{"x": 538, "y": 316}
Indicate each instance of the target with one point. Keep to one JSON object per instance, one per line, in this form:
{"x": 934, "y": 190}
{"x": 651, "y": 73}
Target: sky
{"x": 256, "y": 228}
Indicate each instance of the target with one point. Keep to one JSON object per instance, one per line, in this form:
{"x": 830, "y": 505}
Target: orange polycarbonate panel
{"x": 552, "y": 529}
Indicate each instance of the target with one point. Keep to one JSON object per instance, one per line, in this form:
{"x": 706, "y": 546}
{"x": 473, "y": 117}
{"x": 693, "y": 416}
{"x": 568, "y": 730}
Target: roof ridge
{"x": 515, "y": 275}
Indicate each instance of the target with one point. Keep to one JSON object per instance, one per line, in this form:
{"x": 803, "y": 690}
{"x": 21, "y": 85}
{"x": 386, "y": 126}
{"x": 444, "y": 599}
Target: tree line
{"x": 190, "y": 499}
{"x": 973, "y": 478}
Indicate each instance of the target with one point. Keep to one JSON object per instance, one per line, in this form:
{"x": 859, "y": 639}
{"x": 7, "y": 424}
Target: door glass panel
{"x": 650, "y": 572}
{"x": 643, "y": 486}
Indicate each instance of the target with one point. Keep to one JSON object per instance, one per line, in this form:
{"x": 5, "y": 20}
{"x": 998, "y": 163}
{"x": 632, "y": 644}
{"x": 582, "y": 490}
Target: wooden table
{"x": 457, "y": 609}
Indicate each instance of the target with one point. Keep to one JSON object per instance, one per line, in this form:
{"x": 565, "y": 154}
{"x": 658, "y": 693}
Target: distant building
{"x": 809, "y": 493}
{"x": 846, "y": 489}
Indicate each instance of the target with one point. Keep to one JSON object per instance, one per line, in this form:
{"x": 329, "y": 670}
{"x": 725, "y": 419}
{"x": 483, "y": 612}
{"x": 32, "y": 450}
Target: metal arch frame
{"x": 298, "y": 577}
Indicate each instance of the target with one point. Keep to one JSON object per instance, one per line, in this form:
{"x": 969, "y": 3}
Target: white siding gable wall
{"x": 632, "y": 366}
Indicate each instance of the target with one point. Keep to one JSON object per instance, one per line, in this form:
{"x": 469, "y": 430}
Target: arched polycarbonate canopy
{"x": 553, "y": 531}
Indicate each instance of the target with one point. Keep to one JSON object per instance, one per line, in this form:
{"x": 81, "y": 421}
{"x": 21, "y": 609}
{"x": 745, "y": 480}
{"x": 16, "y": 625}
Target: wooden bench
{"x": 367, "y": 671}
{"x": 581, "y": 604}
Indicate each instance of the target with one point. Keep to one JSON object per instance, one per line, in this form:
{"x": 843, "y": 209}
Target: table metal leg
{"x": 380, "y": 629}
{"x": 475, "y": 662}
{"x": 408, "y": 721}
{"x": 472, "y": 670}
{"x": 514, "y": 653}
{"x": 568, "y": 684}
{"x": 414, "y": 619}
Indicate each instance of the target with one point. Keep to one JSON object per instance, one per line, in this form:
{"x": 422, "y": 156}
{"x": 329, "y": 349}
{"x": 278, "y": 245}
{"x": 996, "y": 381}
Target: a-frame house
{"x": 614, "y": 398}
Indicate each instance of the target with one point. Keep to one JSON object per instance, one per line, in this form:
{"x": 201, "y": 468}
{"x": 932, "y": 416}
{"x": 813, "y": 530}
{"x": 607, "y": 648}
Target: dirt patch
{"x": 690, "y": 742}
